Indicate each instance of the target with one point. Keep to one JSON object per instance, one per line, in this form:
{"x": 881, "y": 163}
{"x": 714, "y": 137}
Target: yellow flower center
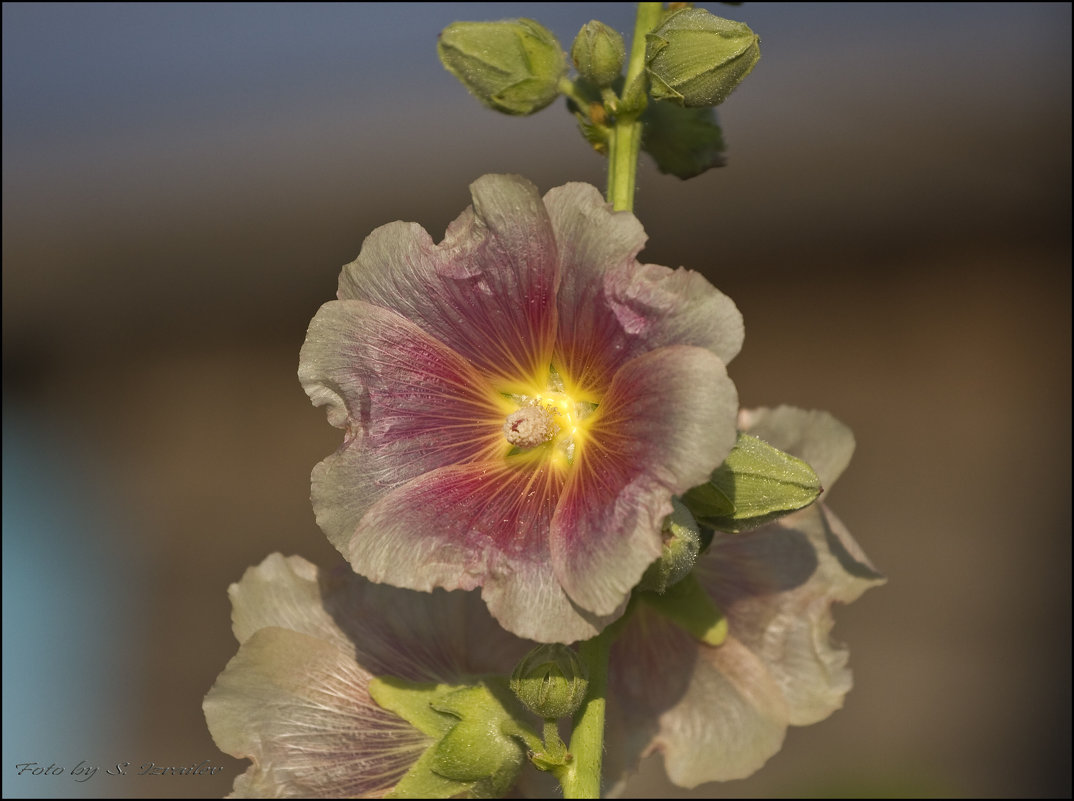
{"x": 547, "y": 424}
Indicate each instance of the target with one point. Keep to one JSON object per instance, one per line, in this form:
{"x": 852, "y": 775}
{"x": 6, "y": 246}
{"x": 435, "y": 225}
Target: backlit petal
{"x": 295, "y": 698}
{"x": 778, "y": 667}
{"x": 300, "y": 709}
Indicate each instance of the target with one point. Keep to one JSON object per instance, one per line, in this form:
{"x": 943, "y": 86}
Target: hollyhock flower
{"x": 719, "y": 712}
{"x": 296, "y": 698}
{"x": 520, "y": 403}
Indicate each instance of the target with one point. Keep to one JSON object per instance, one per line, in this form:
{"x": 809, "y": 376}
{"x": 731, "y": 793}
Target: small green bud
{"x": 550, "y": 681}
{"x": 682, "y": 541}
{"x": 695, "y": 58}
{"x": 755, "y": 484}
{"x": 598, "y": 53}
{"x": 513, "y": 66}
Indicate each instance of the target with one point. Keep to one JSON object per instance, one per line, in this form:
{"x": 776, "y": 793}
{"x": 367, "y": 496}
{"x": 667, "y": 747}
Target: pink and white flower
{"x": 719, "y": 713}
{"x": 295, "y": 699}
{"x": 520, "y": 403}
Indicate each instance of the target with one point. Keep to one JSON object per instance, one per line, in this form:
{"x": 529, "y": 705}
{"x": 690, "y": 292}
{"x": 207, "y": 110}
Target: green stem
{"x": 624, "y": 143}
{"x": 581, "y": 776}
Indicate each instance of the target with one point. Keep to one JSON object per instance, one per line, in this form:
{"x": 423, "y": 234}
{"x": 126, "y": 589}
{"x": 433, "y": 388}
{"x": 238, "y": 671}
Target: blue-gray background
{"x": 182, "y": 182}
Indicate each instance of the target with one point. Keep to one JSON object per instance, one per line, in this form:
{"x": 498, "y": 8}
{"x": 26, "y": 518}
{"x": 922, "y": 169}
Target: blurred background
{"x": 181, "y": 184}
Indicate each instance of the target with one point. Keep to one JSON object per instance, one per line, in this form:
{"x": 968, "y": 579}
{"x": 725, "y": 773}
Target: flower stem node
{"x": 512, "y": 66}
{"x": 598, "y": 53}
{"x": 550, "y": 681}
{"x": 695, "y": 58}
{"x": 755, "y": 484}
{"x": 682, "y": 541}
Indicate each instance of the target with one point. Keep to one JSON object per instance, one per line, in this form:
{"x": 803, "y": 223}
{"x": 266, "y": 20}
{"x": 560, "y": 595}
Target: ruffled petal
{"x": 465, "y": 526}
{"x": 777, "y": 586}
{"x": 300, "y": 709}
{"x": 778, "y": 666}
{"x": 409, "y": 405}
{"x": 823, "y": 442}
{"x": 295, "y": 698}
{"x": 487, "y": 291}
{"x": 714, "y": 713}
{"x": 665, "y": 423}
{"x": 611, "y": 308}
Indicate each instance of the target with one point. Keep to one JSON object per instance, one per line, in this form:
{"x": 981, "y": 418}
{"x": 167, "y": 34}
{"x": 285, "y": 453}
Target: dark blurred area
{"x": 181, "y": 184}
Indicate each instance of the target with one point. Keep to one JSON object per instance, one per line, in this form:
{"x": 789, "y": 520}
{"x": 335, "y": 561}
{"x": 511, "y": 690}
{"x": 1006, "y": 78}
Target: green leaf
{"x": 683, "y": 142}
{"x": 756, "y": 484}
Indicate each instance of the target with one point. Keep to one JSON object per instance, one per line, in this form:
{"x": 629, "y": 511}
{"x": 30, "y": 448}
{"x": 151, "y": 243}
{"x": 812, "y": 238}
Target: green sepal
{"x": 512, "y": 66}
{"x": 476, "y": 752}
{"x": 412, "y": 701}
{"x": 694, "y": 58}
{"x": 683, "y": 142}
{"x": 756, "y": 484}
{"x": 688, "y": 606}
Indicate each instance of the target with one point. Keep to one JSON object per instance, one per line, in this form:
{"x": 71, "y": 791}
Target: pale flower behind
{"x": 295, "y": 699}
{"x": 719, "y": 713}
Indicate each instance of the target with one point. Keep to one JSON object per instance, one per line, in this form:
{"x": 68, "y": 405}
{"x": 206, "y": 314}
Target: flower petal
{"x": 408, "y": 403}
{"x": 665, "y": 423}
{"x": 778, "y": 666}
{"x": 426, "y": 638}
{"x": 300, "y": 709}
{"x": 611, "y": 308}
{"x": 715, "y": 713}
{"x": 481, "y": 524}
{"x": 777, "y": 586}
{"x": 295, "y": 698}
{"x": 487, "y": 291}
{"x": 816, "y": 437}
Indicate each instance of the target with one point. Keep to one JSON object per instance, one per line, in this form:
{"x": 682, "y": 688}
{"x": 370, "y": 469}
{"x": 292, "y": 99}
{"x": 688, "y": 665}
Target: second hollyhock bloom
{"x": 720, "y": 712}
{"x": 296, "y": 699}
{"x": 520, "y": 402}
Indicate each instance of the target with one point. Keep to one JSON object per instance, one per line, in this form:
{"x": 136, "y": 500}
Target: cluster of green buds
{"x": 692, "y": 61}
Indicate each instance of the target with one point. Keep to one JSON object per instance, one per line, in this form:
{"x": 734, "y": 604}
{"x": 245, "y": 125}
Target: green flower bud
{"x": 695, "y": 58}
{"x": 550, "y": 681}
{"x": 682, "y": 541}
{"x": 598, "y": 53}
{"x": 755, "y": 484}
{"x": 513, "y": 66}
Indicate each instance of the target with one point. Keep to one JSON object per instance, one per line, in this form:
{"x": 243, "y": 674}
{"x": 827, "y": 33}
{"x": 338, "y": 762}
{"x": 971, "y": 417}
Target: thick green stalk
{"x": 624, "y": 144}
{"x": 581, "y": 776}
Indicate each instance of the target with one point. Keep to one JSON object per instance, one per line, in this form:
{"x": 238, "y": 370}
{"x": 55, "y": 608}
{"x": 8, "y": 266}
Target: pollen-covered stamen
{"x": 530, "y": 426}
